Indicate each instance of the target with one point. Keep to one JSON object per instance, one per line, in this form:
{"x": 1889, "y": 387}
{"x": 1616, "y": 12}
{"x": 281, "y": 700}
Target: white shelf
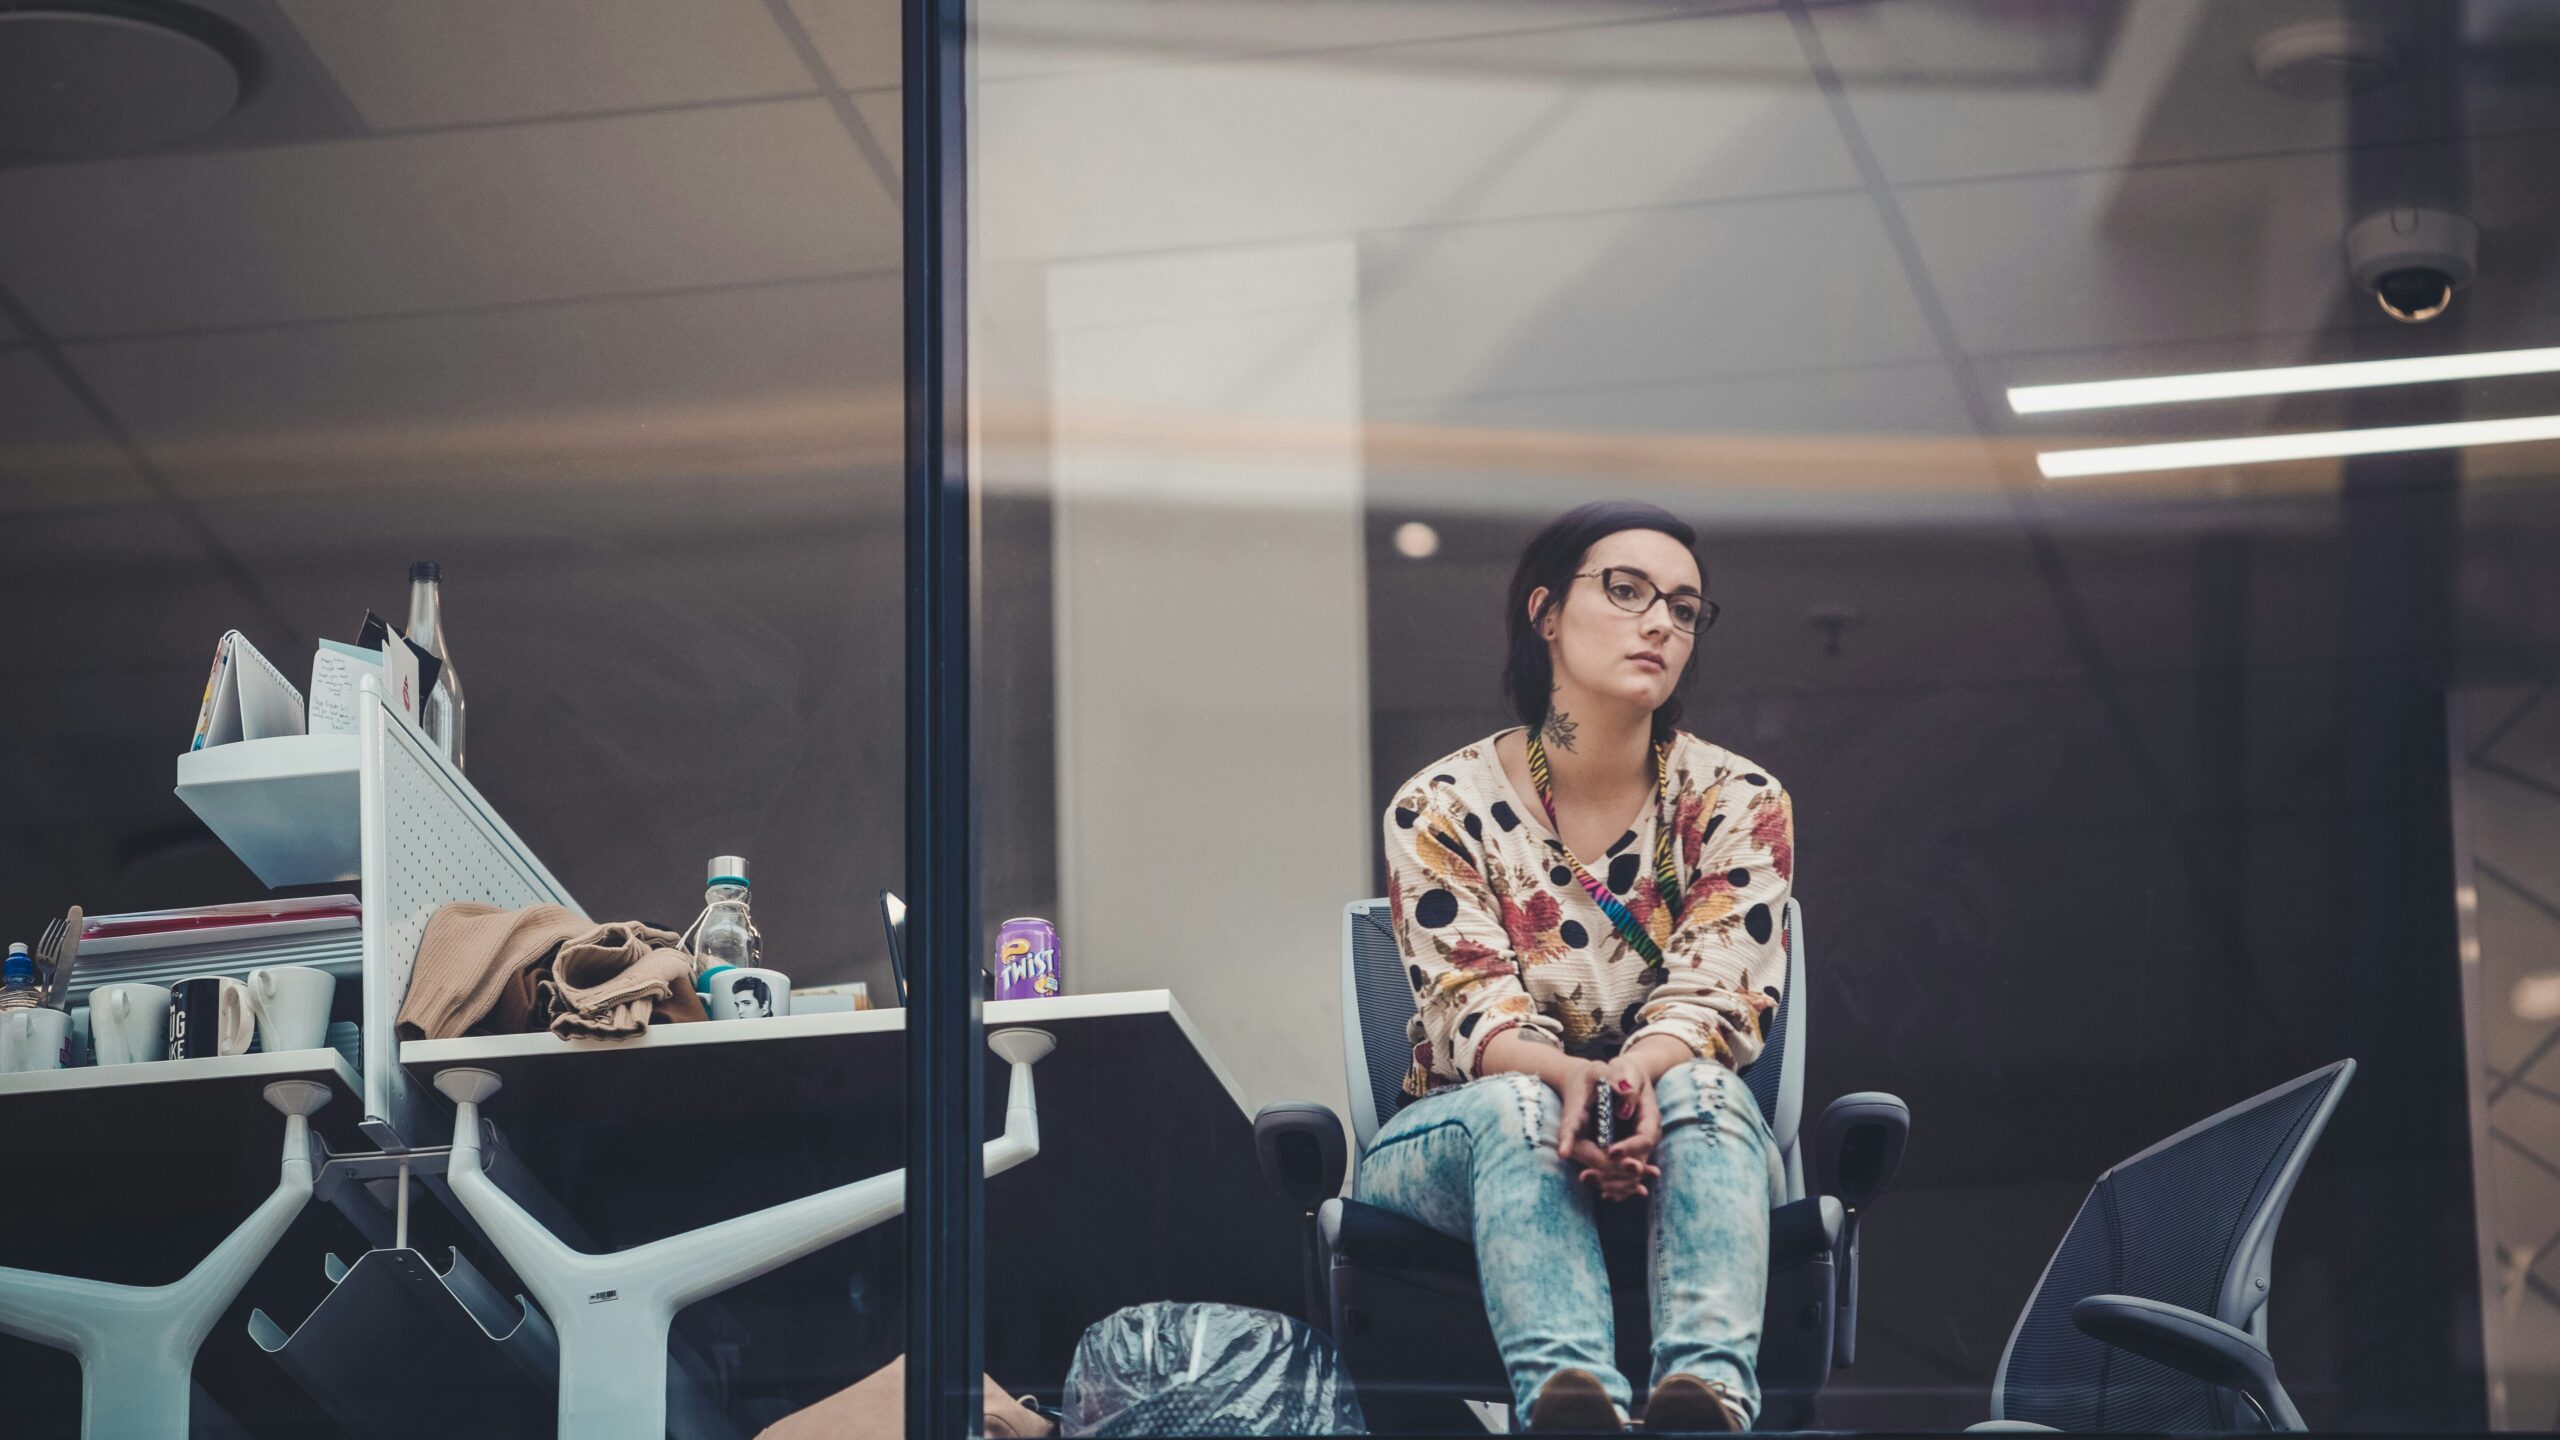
{"x": 324, "y": 1066}
{"x": 286, "y": 806}
{"x": 474, "y": 1049}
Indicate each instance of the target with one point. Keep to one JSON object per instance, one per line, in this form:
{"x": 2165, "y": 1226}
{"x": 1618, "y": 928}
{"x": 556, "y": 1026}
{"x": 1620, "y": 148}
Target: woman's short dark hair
{"x": 1549, "y": 561}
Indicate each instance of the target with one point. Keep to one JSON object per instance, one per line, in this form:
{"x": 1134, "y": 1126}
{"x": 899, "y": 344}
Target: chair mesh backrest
{"x": 1383, "y": 995}
{"x": 1767, "y": 1076}
{"x": 2167, "y": 1225}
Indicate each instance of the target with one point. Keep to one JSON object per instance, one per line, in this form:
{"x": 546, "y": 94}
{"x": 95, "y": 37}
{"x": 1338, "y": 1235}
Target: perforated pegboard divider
{"x": 442, "y": 849}
{"x": 428, "y": 839}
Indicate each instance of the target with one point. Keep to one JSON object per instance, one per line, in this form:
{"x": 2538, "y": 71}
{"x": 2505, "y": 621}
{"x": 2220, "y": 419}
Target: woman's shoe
{"x": 1687, "y": 1405}
{"x": 1574, "y": 1402}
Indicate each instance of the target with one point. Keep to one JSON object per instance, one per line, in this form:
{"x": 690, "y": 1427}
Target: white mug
{"x": 128, "y": 1023}
{"x": 745, "y": 993}
{"x": 210, "y": 1015}
{"x": 33, "y": 1039}
{"x": 292, "y": 1004}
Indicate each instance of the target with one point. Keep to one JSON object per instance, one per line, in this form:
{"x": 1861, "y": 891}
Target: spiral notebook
{"x": 245, "y": 698}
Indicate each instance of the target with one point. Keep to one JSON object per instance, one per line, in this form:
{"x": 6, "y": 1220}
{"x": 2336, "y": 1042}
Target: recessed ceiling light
{"x": 2314, "y": 445}
{"x": 1417, "y": 541}
{"x": 2537, "y": 997}
{"x": 2284, "y": 380}
{"x": 92, "y": 79}
{"x": 2324, "y": 59}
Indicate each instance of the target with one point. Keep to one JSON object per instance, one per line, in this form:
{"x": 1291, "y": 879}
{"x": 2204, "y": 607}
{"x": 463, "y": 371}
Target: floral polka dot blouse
{"x": 1499, "y": 934}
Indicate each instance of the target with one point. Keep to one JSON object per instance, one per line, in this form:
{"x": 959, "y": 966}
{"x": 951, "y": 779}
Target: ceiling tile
{"x": 445, "y": 62}
{"x": 858, "y": 39}
{"x": 476, "y": 217}
{"x": 2163, "y": 255}
{"x": 2175, "y": 84}
{"x": 1857, "y": 445}
{"x": 52, "y": 451}
{"x": 1046, "y": 37}
{"x": 2528, "y": 735}
{"x": 1641, "y": 297}
{"x": 885, "y": 112}
{"x": 141, "y": 596}
{"x": 740, "y": 394}
{"x": 2127, "y": 257}
{"x": 1614, "y": 117}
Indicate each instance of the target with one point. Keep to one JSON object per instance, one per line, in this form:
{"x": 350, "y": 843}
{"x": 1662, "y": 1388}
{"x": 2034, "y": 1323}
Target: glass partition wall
{"x": 2117, "y": 440}
{"x": 2080, "y": 468}
{"x": 597, "y": 307}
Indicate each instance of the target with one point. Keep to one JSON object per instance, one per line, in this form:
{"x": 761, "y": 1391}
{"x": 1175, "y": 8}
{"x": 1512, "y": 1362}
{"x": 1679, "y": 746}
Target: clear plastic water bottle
{"x": 18, "y": 980}
{"x": 725, "y": 935}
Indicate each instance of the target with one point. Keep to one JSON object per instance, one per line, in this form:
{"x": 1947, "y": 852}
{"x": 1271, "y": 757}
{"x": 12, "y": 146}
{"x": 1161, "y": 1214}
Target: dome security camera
{"x": 2411, "y": 259}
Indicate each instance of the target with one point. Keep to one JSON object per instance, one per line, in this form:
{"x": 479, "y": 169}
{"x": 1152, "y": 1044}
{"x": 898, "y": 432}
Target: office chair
{"x": 1402, "y": 1301}
{"x": 2152, "y": 1314}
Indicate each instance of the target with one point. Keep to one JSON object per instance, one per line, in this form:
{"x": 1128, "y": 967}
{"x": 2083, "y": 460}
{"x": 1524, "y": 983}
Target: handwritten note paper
{"x": 334, "y": 668}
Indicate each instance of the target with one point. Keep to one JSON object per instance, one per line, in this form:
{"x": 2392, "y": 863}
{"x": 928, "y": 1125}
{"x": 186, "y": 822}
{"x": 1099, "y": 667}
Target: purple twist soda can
{"x": 1027, "y": 959}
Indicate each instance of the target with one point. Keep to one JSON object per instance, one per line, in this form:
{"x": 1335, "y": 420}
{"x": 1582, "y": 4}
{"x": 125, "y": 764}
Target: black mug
{"x": 210, "y": 1015}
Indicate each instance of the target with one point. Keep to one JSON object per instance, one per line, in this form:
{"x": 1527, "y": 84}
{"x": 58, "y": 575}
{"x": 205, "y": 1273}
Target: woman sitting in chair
{"x": 1589, "y": 907}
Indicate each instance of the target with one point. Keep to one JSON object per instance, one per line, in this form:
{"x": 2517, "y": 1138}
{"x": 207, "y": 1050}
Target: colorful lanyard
{"x": 1665, "y": 878}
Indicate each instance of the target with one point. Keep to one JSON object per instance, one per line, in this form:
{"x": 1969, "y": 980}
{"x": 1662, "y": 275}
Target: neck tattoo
{"x": 1558, "y": 730}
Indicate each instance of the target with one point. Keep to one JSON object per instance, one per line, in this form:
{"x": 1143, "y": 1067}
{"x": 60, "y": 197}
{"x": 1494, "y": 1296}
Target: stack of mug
{"x": 284, "y": 1008}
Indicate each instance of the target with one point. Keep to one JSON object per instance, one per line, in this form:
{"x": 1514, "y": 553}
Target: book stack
{"x": 161, "y": 947}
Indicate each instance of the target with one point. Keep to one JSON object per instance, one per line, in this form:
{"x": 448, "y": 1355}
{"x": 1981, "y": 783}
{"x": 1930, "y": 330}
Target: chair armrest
{"x": 1304, "y": 1159}
{"x": 1857, "y": 1147}
{"x": 1303, "y": 1154}
{"x": 2192, "y": 1344}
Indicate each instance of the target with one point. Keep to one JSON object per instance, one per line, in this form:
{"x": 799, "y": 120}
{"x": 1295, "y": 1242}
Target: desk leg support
{"x": 612, "y": 1311}
{"x": 137, "y": 1344}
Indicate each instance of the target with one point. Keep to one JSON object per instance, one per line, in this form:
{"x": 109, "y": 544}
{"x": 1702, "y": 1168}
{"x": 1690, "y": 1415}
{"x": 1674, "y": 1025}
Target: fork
{"x": 46, "y": 945}
{"x": 66, "y": 947}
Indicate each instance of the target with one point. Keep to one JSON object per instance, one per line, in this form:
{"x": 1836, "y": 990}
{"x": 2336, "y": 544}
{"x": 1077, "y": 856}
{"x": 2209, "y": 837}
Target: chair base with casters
{"x": 137, "y": 1344}
{"x": 1403, "y": 1302}
{"x": 611, "y": 1312}
{"x": 2152, "y": 1314}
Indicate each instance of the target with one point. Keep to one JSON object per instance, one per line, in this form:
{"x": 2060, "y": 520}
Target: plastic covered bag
{"x": 1179, "y": 1369}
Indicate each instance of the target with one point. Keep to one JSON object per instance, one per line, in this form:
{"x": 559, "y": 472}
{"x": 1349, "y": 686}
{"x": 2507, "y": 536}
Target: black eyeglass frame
{"x": 1706, "y": 616}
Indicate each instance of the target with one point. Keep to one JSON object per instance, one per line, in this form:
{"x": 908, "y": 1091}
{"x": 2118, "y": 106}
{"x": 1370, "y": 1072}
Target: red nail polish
{"x": 1626, "y": 1087}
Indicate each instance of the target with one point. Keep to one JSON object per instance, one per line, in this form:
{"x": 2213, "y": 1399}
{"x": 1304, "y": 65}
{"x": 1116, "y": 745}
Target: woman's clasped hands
{"x": 1625, "y": 1168}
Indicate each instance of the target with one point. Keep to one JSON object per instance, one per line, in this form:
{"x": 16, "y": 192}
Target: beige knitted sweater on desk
{"x": 1498, "y": 933}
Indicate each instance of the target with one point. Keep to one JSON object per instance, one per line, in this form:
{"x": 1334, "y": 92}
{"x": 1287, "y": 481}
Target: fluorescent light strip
{"x": 2317, "y": 445}
{"x": 2287, "y": 380}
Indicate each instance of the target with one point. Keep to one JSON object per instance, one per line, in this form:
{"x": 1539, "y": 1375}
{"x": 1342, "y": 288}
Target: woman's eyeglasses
{"x": 1631, "y": 591}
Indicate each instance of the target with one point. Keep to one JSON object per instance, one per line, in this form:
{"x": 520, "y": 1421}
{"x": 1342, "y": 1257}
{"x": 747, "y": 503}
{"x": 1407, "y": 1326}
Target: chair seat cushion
{"x": 1383, "y": 1240}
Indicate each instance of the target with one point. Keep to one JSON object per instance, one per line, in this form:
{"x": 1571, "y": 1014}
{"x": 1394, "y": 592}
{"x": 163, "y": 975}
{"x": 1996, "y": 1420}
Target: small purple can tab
{"x": 1027, "y": 959}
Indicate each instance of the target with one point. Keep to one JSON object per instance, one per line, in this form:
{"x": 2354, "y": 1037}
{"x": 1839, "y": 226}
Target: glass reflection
{"x": 2128, "y": 796}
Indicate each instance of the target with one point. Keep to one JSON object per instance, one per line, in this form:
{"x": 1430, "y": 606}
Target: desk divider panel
{"x": 427, "y": 839}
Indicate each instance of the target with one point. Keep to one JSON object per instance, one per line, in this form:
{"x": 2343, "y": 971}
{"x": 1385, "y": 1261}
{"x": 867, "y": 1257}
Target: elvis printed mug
{"x": 741, "y": 992}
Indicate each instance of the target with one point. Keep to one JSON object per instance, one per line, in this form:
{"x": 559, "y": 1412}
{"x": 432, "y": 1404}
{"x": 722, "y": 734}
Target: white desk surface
{"x": 428, "y": 1056}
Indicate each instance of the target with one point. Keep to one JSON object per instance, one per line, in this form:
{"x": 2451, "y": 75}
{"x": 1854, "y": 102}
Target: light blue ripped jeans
{"x": 1479, "y": 1163}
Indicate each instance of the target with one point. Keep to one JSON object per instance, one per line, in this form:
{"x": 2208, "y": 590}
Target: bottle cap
{"x": 426, "y": 570}
{"x": 727, "y": 870}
